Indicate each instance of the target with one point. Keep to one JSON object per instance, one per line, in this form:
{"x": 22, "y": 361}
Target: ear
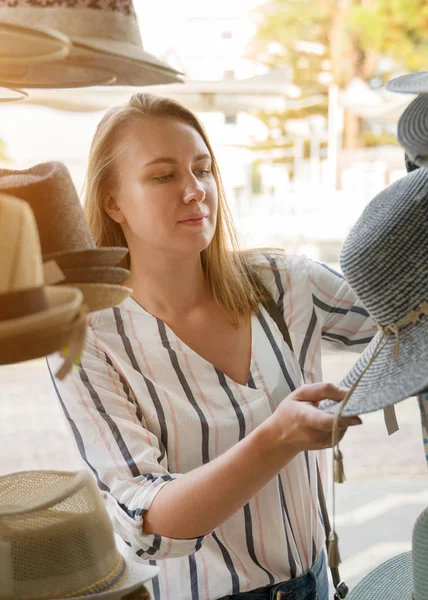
{"x": 113, "y": 210}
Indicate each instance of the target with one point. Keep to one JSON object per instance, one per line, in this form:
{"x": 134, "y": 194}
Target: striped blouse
{"x": 145, "y": 408}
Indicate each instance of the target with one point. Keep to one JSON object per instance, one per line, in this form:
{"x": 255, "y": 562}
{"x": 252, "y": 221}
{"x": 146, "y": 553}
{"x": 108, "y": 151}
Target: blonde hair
{"x": 227, "y": 269}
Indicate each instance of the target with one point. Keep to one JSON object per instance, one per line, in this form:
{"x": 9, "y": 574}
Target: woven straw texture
{"x": 392, "y": 580}
{"x": 420, "y": 556}
{"x": 57, "y": 539}
{"x": 412, "y": 83}
{"x": 385, "y": 261}
{"x": 412, "y": 129}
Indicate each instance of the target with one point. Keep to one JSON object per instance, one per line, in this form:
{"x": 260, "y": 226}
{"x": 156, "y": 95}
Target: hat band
{"x": 112, "y": 581}
{"x": 25, "y": 302}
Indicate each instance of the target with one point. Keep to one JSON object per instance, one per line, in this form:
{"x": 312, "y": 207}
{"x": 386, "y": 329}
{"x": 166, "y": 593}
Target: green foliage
{"x": 394, "y": 28}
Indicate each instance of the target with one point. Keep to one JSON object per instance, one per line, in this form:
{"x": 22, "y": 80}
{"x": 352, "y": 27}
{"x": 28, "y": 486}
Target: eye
{"x": 203, "y": 172}
{"x": 164, "y": 178}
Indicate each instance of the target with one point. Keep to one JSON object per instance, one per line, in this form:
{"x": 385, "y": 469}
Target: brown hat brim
{"x": 90, "y": 257}
{"x": 98, "y": 296}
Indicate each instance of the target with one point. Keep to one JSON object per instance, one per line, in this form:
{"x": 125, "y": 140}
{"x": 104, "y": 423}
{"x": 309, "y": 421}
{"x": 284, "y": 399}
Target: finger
{"x": 321, "y": 421}
{"x": 315, "y": 392}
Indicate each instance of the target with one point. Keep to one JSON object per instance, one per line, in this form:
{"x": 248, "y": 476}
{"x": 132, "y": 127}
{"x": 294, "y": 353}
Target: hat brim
{"x": 412, "y": 83}
{"x": 412, "y": 130}
{"x": 115, "y": 49}
{"x": 112, "y": 275}
{"x": 392, "y": 580}
{"x": 98, "y": 296}
{"x": 137, "y": 576}
{"x": 66, "y": 73}
{"x": 386, "y": 381}
{"x": 42, "y": 333}
{"x": 20, "y": 44}
{"x": 64, "y": 303}
{"x": 90, "y": 257}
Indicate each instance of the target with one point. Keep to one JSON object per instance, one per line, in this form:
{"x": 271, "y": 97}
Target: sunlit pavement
{"x": 387, "y": 477}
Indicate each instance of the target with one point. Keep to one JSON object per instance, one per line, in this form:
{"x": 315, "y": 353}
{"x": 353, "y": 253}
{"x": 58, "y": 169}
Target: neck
{"x": 167, "y": 286}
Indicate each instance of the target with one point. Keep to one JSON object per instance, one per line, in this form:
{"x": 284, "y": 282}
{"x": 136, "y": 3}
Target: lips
{"x": 191, "y": 218}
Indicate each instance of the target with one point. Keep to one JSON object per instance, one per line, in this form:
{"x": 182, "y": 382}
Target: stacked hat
{"x": 105, "y": 45}
{"x": 412, "y": 129}
{"x": 57, "y": 541}
{"x": 65, "y": 236}
{"x": 404, "y": 577}
{"x": 35, "y": 319}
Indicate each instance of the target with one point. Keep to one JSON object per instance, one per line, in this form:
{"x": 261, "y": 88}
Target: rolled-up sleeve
{"x": 129, "y": 462}
{"x": 343, "y": 318}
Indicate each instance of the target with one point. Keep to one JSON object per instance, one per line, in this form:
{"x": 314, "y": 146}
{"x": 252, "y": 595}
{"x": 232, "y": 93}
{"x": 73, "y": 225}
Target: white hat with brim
{"x": 22, "y": 44}
{"x": 107, "y": 39}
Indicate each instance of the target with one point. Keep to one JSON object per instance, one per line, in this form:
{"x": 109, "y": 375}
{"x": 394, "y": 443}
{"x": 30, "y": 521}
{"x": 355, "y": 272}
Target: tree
{"x": 342, "y": 39}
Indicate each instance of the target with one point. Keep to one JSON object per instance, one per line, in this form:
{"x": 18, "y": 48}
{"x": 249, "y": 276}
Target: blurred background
{"x": 291, "y": 94}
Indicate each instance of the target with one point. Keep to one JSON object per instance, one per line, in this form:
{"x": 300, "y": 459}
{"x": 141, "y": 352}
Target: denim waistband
{"x": 303, "y": 587}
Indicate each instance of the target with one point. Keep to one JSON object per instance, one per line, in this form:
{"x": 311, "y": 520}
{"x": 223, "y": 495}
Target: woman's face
{"x": 167, "y": 198}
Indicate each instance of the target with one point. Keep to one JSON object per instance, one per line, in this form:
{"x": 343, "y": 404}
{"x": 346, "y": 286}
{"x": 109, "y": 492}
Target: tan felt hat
{"x": 30, "y": 312}
{"x": 98, "y": 296}
{"x": 104, "y": 35}
{"x": 63, "y": 229}
{"x": 114, "y": 275}
{"x": 57, "y": 541}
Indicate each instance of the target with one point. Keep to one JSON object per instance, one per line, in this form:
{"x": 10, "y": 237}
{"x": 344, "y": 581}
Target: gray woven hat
{"x": 385, "y": 260}
{"x": 412, "y": 131}
{"x": 404, "y": 577}
{"x": 412, "y": 83}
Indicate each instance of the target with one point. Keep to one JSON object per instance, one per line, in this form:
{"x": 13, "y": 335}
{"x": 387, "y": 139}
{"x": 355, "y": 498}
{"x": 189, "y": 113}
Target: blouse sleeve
{"x": 344, "y": 320}
{"x": 128, "y": 461}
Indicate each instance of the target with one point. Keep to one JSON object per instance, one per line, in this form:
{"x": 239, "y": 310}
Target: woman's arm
{"x": 199, "y": 501}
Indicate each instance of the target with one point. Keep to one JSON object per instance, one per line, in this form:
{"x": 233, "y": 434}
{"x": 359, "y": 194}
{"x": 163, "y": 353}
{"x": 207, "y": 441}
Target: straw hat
{"x": 57, "y": 540}
{"x": 22, "y": 44}
{"x": 104, "y": 35}
{"x": 404, "y": 577}
{"x": 64, "y": 231}
{"x": 35, "y": 320}
{"x": 384, "y": 259}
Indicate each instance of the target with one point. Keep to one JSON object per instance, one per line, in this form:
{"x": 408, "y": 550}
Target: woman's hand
{"x": 298, "y": 424}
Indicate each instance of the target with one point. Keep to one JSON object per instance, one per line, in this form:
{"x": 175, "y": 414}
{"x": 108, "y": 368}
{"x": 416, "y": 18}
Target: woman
{"x": 187, "y": 406}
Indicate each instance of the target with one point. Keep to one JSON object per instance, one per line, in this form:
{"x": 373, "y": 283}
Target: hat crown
{"x": 57, "y": 539}
{"x": 21, "y": 266}
{"x": 49, "y": 190}
{"x": 77, "y": 18}
{"x": 384, "y": 258}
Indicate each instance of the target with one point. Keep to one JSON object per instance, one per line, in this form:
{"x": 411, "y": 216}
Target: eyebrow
{"x": 173, "y": 161}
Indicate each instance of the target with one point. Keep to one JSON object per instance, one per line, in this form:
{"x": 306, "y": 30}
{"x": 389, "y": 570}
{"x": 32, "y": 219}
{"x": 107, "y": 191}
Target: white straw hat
{"x": 104, "y": 35}
{"x": 35, "y": 320}
{"x": 57, "y": 541}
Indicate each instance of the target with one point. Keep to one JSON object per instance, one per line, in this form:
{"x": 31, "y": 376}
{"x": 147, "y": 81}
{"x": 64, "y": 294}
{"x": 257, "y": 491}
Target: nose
{"x": 193, "y": 192}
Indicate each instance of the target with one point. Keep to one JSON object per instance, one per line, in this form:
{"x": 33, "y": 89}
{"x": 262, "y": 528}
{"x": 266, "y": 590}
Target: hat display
{"x": 385, "y": 260}
{"x": 57, "y": 540}
{"x": 35, "y": 320}
{"x": 404, "y": 577}
{"x": 412, "y": 130}
{"x": 95, "y": 274}
{"x": 64, "y": 231}
{"x": 104, "y": 35}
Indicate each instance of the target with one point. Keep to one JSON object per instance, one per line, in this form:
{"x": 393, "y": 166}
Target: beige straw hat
{"x": 35, "y": 320}
{"x": 64, "y": 232}
{"x": 22, "y": 44}
{"x": 57, "y": 541}
{"x": 104, "y": 35}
